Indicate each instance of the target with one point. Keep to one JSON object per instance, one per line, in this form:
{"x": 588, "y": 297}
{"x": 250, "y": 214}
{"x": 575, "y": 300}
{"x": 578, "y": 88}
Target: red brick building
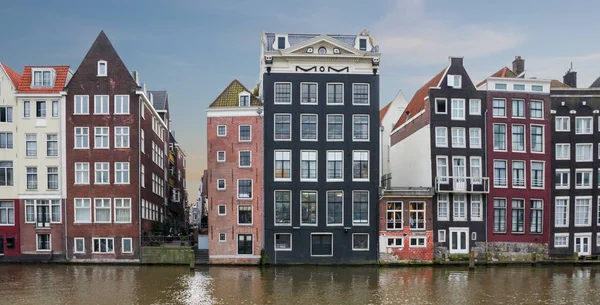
{"x": 116, "y": 144}
{"x": 234, "y": 183}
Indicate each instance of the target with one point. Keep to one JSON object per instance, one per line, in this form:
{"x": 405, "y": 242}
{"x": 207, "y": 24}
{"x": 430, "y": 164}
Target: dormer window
{"x": 455, "y": 81}
{"x": 244, "y": 100}
{"x": 280, "y": 43}
{"x": 102, "y": 69}
{"x": 43, "y": 78}
{"x": 362, "y": 44}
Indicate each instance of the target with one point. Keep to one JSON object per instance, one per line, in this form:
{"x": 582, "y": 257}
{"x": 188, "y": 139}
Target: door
{"x": 459, "y": 240}
{"x": 43, "y": 213}
{"x": 321, "y": 245}
{"x": 582, "y": 244}
{"x": 459, "y": 173}
{"x": 244, "y": 243}
{"x": 1, "y": 245}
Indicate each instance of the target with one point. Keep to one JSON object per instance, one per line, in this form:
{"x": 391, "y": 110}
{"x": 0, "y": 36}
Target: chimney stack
{"x": 570, "y": 78}
{"x": 518, "y": 65}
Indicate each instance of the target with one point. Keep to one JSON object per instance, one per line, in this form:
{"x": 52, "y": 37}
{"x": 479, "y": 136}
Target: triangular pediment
{"x": 322, "y": 41}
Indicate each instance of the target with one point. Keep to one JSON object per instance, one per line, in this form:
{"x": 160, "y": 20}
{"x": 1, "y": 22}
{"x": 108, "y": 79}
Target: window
{"x": 583, "y": 152}
{"x": 442, "y": 236}
{"x": 536, "y": 219}
{"x": 245, "y": 133}
{"x": 221, "y": 184}
{"x": 536, "y": 109}
{"x": 244, "y": 101}
{"x": 459, "y": 204}
{"x": 563, "y": 151}
{"x": 518, "y": 173}
{"x": 518, "y": 138}
{"x": 102, "y": 173}
{"x": 101, "y": 104}
{"x": 283, "y": 93}
{"x": 442, "y": 200}
{"x": 562, "y": 123}
{"x": 121, "y": 172}
{"x": 79, "y": 245}
{"x": 308, "y": 93}
{"x": 360, "y": 165}
{"x": 499, "y": 215}
{"x": 82, "y": 104}
{"x": 27, "y": 109}
{"x": 220, "y": 156}
{"x": 102, "y": 210}
{"x": 143, "y": 175}
{"x": 561, "y": 212}
{"x": 7, "y": 213}
{"x": 83, "y": 211}
{"x": 31, "y": 145}
{"x": 499, "y": 137}
{"x": 454, "y": 81}
{"x": 222, "y": 237}
{"x": 102, "y": 70}
{"x": 221, "y": 210}
{"x": 283, "y": 203}
{"x": 81, "y": 137}
{"x": 500, "y": 173}
{"x": 583, "y": 211}
{"x": 458, "y": 109}
{"x": 321, "y": 244}
{"x": 360, "y": 95}
{"x": 475, "y": 107}
{"x": 51, "y": 144}
{"x": 6, "y": 173}
{"x": 458, "y": 137}
{"x": 6, "y": 114}
{"x": 561, "y": 240}
{"x": 335, "y": 94}
{"x": 43, "y": 242}
{"x": 395, "y": 242}
{"x": 537, "y": 138}
{"x": 280, "y": 43}
{"x": 562, "y": 178}
{"x": 103, "y": 245}
{"x": 283, "y": 127}
{"x": 583, "y": 178}
{"x": 441, "y": 137}
{"x": 122, "y": 137}
{"x": 335, "y": 166}
{"x": 283, "y": 242}
{"x": 142, "y": 141}
{"x": 221, "y": 130}
{"x": 537, "y": 88}
{"x": 283, "y": 169}
{"x": 245, "y": 158}
{"x": 360, "y": 207}
{"x": 417, "y": 242}
{"x": 121, "y": 104}
{"x": 440, "y": 106}
{"x": 518, "y": 108}
{"x": 43, "y": 78}
{"x": 52, "y": 178}
{"x": 101, "y": 137}
{"x": 32, "y": 179}
{"x": 308, "y": 207}
{"x": 360, "y": 127}
{"x": 475, "y": 137}
{"x": 500, "y": 86}
{"x": 362, "y": 44}
{"x": 518, "y": 87}
{"x": 126, "y": 245}
{"x": 537, "y": 174}
{"x": 499, "y": 108}
{"x": 308, "y": 166}
{"x": 335, "y": 127}
{"x": 54, "y": 109}
{"x": 442, "y": 169}
{"x": 476, "y": 207}
{"x": 394, "y": 215}
{"x": 40, "y": 110}
{"x": 476, "y": 172}
{"x": 518, "y": 216}
{"x": 82, "y": 173}
{"x": 244, "y": 189}
{"x": 583, "y": 125}
{"x": 244, "y": 214}
{"x": 360, "y": 242}
{"x": 308, "y": 127}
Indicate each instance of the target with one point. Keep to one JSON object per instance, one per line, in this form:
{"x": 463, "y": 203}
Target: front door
{"x": 244, "y": 243}
{"x": 1, "y": 245}
{"x": 582, "y": 244}
{"x": 459, "y": 240}
{"x": 43, "y": 214}
{"x": 459, "y": 173}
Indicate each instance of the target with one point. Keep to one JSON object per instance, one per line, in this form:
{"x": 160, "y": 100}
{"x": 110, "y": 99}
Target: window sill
{"x": 360, "y": 249}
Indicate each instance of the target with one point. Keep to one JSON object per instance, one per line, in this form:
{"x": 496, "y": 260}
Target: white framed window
{"x": 360, "y": 242}
{"x": 222, "y": 237}
{"x": 221, "y": 130}
{"x": 395, "y": 242}
{"x": 583, "y": 211}
{"x": 335, "y": 127}
{"x": 308, "y": 208}
{"x": 458, "y": 109}
{"x": 476, "y": 170}
{"x": 441, "y": 137}
{"x": 335, "y": 165}
{"x": 51, "y": 144}
{"x": 442, "y": 169}
{"x": 121, "y": 104}
{"x": 498, "y": 108}
{"x": 309, "y": 93}
{"x": 360, "y": 94}
{"x": 499, "y": 86}
{"x": 476, "y": 208}
{"x": 308, "y": 165}
{"x": 360, "y": 208}
{"x": 27, "y": 108}
{"x": 454, "y": 81}
{"x": 283, "y": 165}
{"x": 563, "y": 151}
{"x": 459, "y": 207}
{"x": 79, "y": 245}
{"x": 518, "y": 216}
{"x": 103, "y": 245}
{"x": 499, "y": 137}
{"x": 537, "y": 174}
{"x": 7, "y": 213}
{"x": 40, "y": 111}
{"x": 82, "y": 173}
{"x": 442, "y": 200}
{"x": 417, "y": 242}
{"x": 458, "y": 137}
{"x": 583, "y": 178}
{"x": 441, "y": 106}
{"x": 562, "y": 123}
{"x": 536, "y": 109}
{"x": 44, "y": 242}
{"x": 283, "y": 208}
{"x": 360, "y": 127}
{"x": 245, "y": 133}
{"x": 283, "y": 127}
{"x": 537, "y": 138}
{"x": 127, "y": 245}
{"x": 283, "y": 242}
{"x": 122, "y": 210}
{"x": 500, "y": 179}
{"x": 101, "y": 104}
{"x": 55, "y": 109}
{"x": 244, "y": 190}
{"x": 441, "y": 236}
{"x": 561, "y": 240}
{"x": 221, "y": 184}
{"x": 101, "y": 137}
{"x": 562, "y": 178}
{"x": 221, "y": 156}
{"x": 142, "y": 141}
{"x": 518, "y": 138}
{"x": 561, "y": 212}
{"x": 321, "y": 244}
{"x": 102, "y": 210}
{"x": 518, "y": 109}
{"x": 283, "y": 93}
{"x": 245, "y": 158}
{"x": 499, "y": 215}
{"x": 122, "y": 137}
{"x": 244, "y": 99}
{"x": 335, "y": 93}
{"x": 244, "y": 214}
{"x": 536, "y": 216}
{"x": 121, "y": 172}
{"x": 583, "y": 152}
{"x": 43, "y": 77}
{"x": 143, "y": 175}
{"x": 31, "y": 145}
{"x": 101, "y": 173}
{"x": 475, "y": 107}
{"x": 475, "y": 137}
{"x": 143, "y": 111}
{"x": 583, "y": 125}
{"x": 221, "y": 210}
{"x": 82, "y": 105}
{"x": 518, "y": 174}
{"x": 394, "y": 212}
{"x": 102, "y": 68}
{"x": 308, "y": 127}
{"x": 360, "y": 165}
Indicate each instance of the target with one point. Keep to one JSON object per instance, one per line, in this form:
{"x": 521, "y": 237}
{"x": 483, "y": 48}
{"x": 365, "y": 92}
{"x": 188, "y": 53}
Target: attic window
{"x": 500, "y": 86}
{"x": 362, "y": 44}
{"x": 102, "y": 70}
{"x": 455, "y": 81}
{"x": 43, "y": 78}
{"x": 280, "y": 43}
{"x": 244, "y": 100}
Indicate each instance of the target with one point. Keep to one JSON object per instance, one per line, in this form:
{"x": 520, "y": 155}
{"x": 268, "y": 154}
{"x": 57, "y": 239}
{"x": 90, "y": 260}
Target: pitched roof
{"x": 558, "y": 84}
{"x": 230, "y": 96}
{"x": 504, "y": 72}
{"x": 159, "y": 99}
{"x": 62, "y": 73}
{"x": 383, "y": 111}
{"x": 417, "y": 103}
{"x": 294, "y": 39}
{"x": 15, "y": 78}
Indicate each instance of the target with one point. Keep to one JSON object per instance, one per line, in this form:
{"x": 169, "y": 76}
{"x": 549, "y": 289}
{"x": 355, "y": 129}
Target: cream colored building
{"x": 8, "y": 154}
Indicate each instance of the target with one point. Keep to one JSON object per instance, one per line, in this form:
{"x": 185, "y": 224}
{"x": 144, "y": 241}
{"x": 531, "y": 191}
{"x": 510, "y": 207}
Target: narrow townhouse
{"x": 322, "y": 147}
{"x": 519, "y": 156}
{"x": 234, "y": 182}
{"x": 39, "y": 116}
{"x": 388, "y": 116}
{"x": 439, "y": 142}
{"x": 10, "y": 224}
{"x": 116, "y": 146}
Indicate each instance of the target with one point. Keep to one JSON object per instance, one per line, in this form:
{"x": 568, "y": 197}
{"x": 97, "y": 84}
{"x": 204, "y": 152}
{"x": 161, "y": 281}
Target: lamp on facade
{"x": 259, "y": 111}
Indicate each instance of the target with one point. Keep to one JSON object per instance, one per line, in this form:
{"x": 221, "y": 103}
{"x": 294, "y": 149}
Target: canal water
{"x": 309, "y": 285}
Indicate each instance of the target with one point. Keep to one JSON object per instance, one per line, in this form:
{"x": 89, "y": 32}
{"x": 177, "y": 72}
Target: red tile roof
{"x": 504, "y": 72}
{"x": 59, "y": 83}
{"x": 383, "y": 111}
{"x": 417, "y": 103}
{"x": 14, "y": 76}
{"x": 558, "y": 84}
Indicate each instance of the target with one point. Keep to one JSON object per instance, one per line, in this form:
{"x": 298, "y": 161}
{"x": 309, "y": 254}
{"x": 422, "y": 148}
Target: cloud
{"x": 554, "y": 67}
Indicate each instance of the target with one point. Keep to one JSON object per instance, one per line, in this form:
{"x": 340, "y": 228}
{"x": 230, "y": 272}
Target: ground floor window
{"x": 43, "y": 242}
{"x": 127, "y": 245}
{"x": 395, "y": 242}
{"x": 442, "y": 236}
{"x": 283, "y": 242}
{"x": 321, "y": 245}
{"x": 360, "y": 242}
{"x": 417, "y": 242}
{"x": 7, "y": 213}
{"x": 103, "y": 245}
{"x": 561, "y": 240}
{"x": 244, "y": 243}
{"x": 79, "y": 245}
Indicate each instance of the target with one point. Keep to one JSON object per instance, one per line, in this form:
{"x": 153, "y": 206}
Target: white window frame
{"x": 578, "y": 145}
{"x": 494, "y": 176}
{"x": 558, "y": 121}
{"x": 316, "y": 127}
{"x": 368, "y": 95}
{"x": 368, "y": 128}
{"x": 316, "y": 161}
{"x": 275, "y": 165}
{"x": 557, "y": 148}
{"x": 104, "y": 208}
{"x": 37, "y": 244}
{"x": 368, "y": 209}
{"x": 458, "y": 109}
{"x": 439, "y": 132}
{"x": 104, "y": 136}
{"x": 122, "y": 138}
{"x": 219, "y": 210}
{"x": 456, "y": 203}
{"x": 437, "y": 167}
{"x": 361, "y": 249}
{"x": 446, "y": 201}
{"x": 122, "y": 207}
{"x": 505, "y": 138}
{"x": 122, "y": 172}
{"x": 512, "y": 140}
{"x": 75, "y": 245}
{"x": 240, "y": 159}
{"x": 251, "y": 215}
{"x": 240, "y": 133}
{"x": 291, "y": 127}
{"x": 275, "y": 93}
{"x": 121, "y": 110}
{"x": 327, "y": 166}
{"x": 452, "y": 81}
{"x": 440, "y": 234}
{"x": 567, "y": 212}
{"x": 224, "y": 184}
{"x": 123, "y": 245}
{"x": 102, "y": 99}
{"x": 424, "y": 238}
{"x": 275, "y": 242}
{"x": 395, "y": 239}
{"x": 471, "y": 142}
{"x": 543, "y": 139}
{"x": 583, "y": 131}
{"x": 96, "y": 170}
{"x": 251, "y": 189}
{"x": 561, "y": 235}
{"x": 83, "y": 100}
{"x": 464, "y": 137}
{"x": 335, "y": 104}
{"x": 88, "y": 173}
{"x": 224, "y": 128}
{"x": 224, "y": 239}
{"x": 100, "y": 74}
{"x": 543, "y": 174}
{"x": 590, "y": 207}
{"x": 316, "y": 93}
{"x": 476, "y": 202}
{"x": 220, "y": 160}
{"x": 568, "y": 182}
{"x": 311, "y": 243}
{"x": 368, "y": 166}
{"x": 316, "y": 210}
{"x": 327, "y": 128}
{"x": 107, "y": 239}
{"x": 584, "y": 170}
{"x": 541, "y": 103}
{"x": 475, "y": 102}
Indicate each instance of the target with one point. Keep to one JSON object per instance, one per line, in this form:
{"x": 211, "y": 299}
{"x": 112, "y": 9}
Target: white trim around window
{"x": 130, "y": 245}
{"x": 75, "y": 240}
{"x": 561, "y": 236}
{"x": 240, "y": 133}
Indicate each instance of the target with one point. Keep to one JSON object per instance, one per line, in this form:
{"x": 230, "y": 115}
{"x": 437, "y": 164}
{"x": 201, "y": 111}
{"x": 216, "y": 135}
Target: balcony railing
{"x": 452, "y": 184}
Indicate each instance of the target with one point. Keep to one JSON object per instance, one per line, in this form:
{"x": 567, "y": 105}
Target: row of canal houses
{"x": 88, "y": 161}
{"x": 306, "y": 167}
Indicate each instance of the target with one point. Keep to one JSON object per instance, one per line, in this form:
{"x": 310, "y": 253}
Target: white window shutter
{"x": 450, "y": 80}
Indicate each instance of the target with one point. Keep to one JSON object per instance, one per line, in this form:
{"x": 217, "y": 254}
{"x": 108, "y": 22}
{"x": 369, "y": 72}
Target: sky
{"x": 195, "y": 48}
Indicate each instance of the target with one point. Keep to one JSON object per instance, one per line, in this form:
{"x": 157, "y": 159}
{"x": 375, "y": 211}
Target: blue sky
{"x": 194, "y": 49}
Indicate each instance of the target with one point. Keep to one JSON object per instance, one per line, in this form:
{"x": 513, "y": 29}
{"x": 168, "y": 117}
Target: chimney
{"x": 518, "y": 65}
{"x": 570, "y": 78}
{"x": 136, "y": 77}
